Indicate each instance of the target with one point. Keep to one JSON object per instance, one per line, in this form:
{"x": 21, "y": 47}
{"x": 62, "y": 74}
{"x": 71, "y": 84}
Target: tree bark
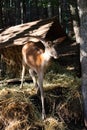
{"x": 83, "y": 50}
{"x": 1, "y": 22}
{"x": 18, "y": 11}
{"x": 76, "y": 21}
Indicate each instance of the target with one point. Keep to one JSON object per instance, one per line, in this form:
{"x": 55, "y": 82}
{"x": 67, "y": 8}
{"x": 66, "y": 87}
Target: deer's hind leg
{"x": 32, "y": 74}
{"x": 22, "y": 77}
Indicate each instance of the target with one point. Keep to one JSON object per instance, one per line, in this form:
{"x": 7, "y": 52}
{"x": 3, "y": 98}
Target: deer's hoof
{"x": 38, "y": 91}
{"x": 21, "y": 86}
{"x": 43, "y": 116}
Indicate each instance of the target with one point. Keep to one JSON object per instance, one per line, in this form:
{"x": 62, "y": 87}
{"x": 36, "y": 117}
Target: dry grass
{"x": 21, "y": 109}
{"x": 16, "y": 110}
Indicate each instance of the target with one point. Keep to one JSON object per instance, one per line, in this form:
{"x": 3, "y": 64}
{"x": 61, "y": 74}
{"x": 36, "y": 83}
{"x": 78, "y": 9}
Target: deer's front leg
{"x": 40, "y": 83}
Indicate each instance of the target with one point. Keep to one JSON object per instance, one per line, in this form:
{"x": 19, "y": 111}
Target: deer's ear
{"x": 59, "y": 40}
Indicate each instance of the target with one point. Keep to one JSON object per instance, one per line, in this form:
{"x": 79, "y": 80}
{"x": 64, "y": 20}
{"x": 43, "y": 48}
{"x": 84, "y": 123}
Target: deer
{"x": 37, "y": 56}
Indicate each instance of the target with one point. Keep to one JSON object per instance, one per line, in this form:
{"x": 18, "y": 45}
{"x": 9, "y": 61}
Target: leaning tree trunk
{"x": 1, "y": 20}
{"x": 76, "y": 21}
{"x": 83, "y": 45}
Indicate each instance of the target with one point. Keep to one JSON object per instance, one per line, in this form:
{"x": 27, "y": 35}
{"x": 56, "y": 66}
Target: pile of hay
{"x": 21, "y": 109}
{"x": 13, "y": 60}
{"x": 17, "y": 111}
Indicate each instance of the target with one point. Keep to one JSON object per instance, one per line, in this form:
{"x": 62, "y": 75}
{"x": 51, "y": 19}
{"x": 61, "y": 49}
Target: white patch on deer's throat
{"x": 46, "y": 56}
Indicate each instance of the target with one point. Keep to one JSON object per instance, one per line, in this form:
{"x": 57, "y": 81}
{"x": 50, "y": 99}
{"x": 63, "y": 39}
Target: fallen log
{"x": 14, "y": 81}
{"x": 19, "y": 35}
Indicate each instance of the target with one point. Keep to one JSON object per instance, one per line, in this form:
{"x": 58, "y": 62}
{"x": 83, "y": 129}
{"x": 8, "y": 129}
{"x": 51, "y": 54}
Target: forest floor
{"x": 21, "y": 109}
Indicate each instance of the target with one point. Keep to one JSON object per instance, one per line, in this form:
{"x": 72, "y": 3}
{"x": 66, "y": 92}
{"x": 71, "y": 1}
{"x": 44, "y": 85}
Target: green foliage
{"x": 46, "y": 2}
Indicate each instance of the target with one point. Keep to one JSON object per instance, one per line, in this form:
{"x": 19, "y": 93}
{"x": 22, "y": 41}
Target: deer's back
{"x": 32, "y": 54}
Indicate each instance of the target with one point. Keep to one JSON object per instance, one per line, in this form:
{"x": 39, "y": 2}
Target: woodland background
{"x": 21, "y": 109}
{"x": 14, "y": 12}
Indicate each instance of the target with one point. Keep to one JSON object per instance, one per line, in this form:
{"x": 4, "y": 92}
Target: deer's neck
{"x": 46, "y": 56}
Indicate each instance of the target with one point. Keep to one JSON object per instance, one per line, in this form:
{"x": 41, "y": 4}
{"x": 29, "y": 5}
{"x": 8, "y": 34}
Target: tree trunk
{"x": 83, "y": 45}
{"x": 76, "y": 21}
{"x": 1, "y": 22}
{"x": 49, "y": 10}
{"x": 24, "y": 11}
{"x": 18, "y": 12}
{"x": 65, "y": 15}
